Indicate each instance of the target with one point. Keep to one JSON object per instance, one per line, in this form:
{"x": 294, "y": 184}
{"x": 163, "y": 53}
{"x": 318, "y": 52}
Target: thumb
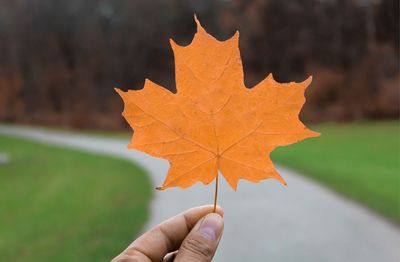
{"x": 202, "y": 242}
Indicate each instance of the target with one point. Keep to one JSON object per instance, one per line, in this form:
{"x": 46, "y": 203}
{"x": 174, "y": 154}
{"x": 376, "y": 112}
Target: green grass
{"x": 360, "y": 161}
{"x": 65, "y": 205}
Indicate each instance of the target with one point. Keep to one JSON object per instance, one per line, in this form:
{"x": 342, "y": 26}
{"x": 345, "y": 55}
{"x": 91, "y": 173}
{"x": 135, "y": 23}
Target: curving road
{"x": 264, "y": 222}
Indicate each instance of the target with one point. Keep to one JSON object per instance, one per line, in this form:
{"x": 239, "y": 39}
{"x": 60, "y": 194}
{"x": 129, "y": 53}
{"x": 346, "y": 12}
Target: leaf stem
{"x": 216, "y": 193}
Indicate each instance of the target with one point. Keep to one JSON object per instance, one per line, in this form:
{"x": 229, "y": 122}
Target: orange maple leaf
{"x": 213, "y": 122}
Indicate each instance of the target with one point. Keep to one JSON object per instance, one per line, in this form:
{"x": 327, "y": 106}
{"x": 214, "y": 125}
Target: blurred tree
{"x": 59, "y": 59}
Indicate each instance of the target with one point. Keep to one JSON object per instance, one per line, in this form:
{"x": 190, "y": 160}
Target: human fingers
{"x": 164, "y": 238}
{"x": 202, "y": 241}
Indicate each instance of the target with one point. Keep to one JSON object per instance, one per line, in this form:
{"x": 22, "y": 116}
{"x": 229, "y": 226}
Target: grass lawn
{"x": 64, "y": 205}
{"x": 360, "y": 161}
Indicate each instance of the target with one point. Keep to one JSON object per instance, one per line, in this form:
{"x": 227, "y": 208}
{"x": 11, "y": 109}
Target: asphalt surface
{"x": 263, "y": 222}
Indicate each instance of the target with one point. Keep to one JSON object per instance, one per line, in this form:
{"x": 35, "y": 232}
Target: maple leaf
{"x": 213, "y": 122}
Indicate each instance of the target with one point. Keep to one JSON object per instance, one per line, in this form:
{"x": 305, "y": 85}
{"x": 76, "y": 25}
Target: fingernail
{"x": 211, "y": 226}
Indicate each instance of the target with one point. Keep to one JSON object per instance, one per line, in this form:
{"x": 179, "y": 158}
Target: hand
{"x": 190, "y": 236}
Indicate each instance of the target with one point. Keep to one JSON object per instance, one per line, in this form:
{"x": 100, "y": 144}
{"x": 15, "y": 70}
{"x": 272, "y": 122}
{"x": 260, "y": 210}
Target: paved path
{"x": 265, "y": 221}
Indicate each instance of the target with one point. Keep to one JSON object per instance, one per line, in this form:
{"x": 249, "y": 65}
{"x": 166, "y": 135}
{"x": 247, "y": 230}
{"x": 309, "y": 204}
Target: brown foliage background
{"x": 60, "y": 59}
